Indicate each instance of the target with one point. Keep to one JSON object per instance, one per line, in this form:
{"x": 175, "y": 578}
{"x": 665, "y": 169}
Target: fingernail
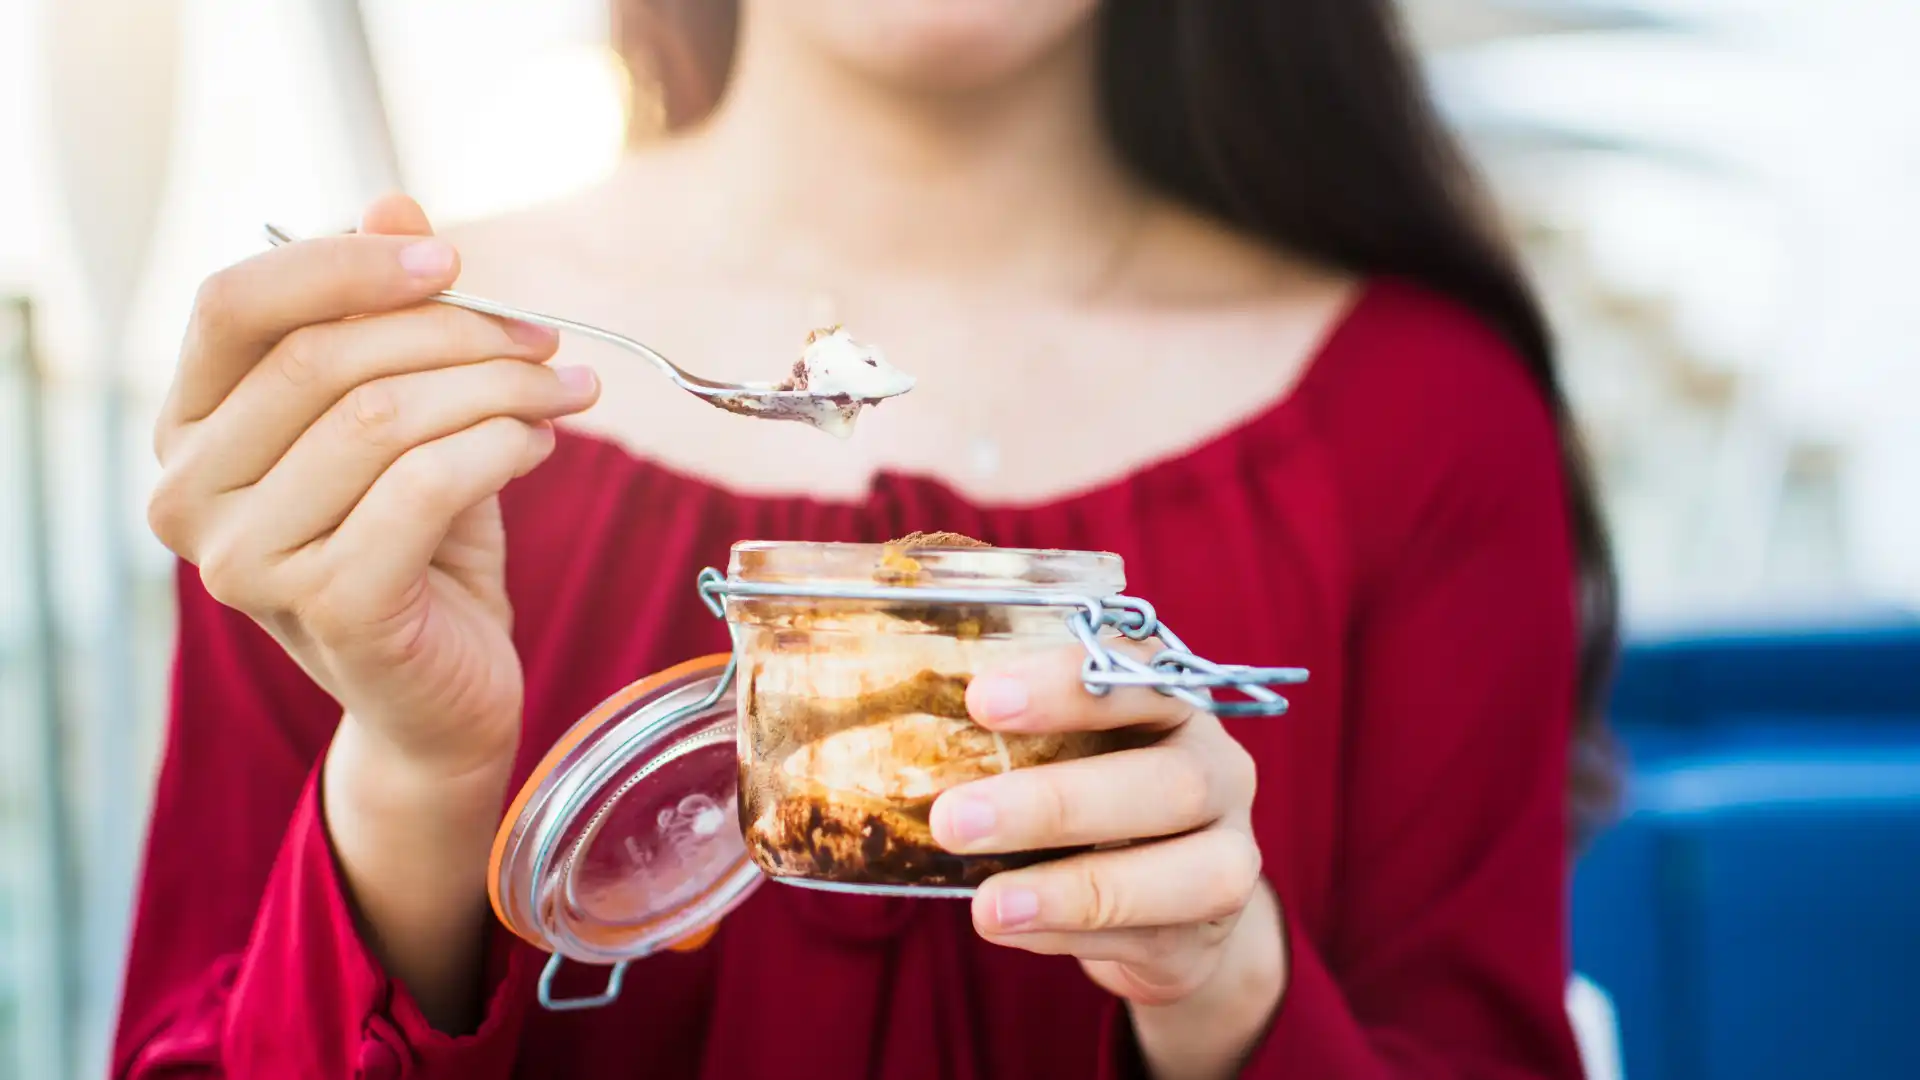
{"x": 532, "y": 335}
{"x": 1016, "y": 908}
{"x": 970, "y": 820}
{"x": 427, "y": 259}
{"x": 578, "y": 380}
{"x": 997, "y": 698}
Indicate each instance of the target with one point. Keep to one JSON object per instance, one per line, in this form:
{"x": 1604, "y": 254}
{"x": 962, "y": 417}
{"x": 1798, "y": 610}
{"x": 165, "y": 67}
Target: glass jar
{"x": 852, "y": 712}
{"x": 813, "y": 753}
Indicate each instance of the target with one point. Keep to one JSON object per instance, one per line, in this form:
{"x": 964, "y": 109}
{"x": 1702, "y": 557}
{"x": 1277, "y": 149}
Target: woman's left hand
{"x": 1163, "y": 922}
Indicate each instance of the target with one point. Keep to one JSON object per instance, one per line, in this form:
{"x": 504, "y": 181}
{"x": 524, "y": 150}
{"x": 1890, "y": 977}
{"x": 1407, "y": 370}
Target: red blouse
{"x": 1397, "y": 525}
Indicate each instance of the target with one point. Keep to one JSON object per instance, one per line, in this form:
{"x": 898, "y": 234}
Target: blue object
{"x": 1756, "y": 913}
{"x": 1857, "y": 672}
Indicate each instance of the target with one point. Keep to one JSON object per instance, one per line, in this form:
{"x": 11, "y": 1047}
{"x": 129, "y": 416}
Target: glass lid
{"x": 626, "y": 838}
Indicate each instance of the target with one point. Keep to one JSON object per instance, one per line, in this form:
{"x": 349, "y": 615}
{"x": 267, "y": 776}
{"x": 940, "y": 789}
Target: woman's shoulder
{"x": 1396, "y": 359}
{"x": 1406, "y": 341}
{"x": 1428, "y": 414}
{"x": 1412, "y": 367}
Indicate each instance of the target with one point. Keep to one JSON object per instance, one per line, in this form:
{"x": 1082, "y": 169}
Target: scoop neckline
{"x": 1225, "y": 443}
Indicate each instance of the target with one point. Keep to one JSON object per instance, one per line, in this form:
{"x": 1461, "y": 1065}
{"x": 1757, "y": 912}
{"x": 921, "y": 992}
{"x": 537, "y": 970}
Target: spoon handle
{"x": 555, "y": 322}
{"x": 280, "y": 237}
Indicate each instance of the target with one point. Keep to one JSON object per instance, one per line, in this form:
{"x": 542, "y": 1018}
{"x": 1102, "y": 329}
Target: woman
{"x": 1198, "y": 283}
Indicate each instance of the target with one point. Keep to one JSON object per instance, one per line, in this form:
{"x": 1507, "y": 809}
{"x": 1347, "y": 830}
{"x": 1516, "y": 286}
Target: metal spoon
{"x": 833, "y": 413}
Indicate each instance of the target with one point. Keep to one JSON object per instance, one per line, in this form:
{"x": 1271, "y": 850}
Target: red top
{"x": 1397, "y": 525}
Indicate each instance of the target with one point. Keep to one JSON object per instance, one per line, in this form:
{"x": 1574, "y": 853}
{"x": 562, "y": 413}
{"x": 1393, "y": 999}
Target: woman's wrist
{"x": 1209, "y": 1034}
{"x": 408, "y": 838}
{"x": 412, "y": 846}
{"x": 372, "y": 772}
{"x": 385, "y": 812}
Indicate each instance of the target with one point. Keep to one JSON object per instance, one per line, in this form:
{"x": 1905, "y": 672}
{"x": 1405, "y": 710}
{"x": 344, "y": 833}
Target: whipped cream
{"x": 835, "y": 365}
{"x": 833, "y": 380}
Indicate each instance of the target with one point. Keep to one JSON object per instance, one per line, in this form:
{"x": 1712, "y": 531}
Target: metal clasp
{"x": 1174, "y": 671}
{"x": 606, "y": 997}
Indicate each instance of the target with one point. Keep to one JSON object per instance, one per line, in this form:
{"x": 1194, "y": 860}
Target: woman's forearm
{"x": 412, "y": 851}
{"x": 1209, "y": 1035}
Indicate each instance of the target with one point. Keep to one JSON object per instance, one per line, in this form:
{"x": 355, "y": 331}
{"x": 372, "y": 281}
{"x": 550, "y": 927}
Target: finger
{"x": 315, "y": 367}
{"x": 338, "y": 461}
{"x": 1045, "y": 693}
{"x": 1160, "y": 948}
{"x": 242, "y": 311}
{"x": 378, "y": 555}
{"x": 395, "y": 215}
{"x": 1195, "y": 878}
{"x": 236, "y": 568}
{"x": 1184, "y": 783}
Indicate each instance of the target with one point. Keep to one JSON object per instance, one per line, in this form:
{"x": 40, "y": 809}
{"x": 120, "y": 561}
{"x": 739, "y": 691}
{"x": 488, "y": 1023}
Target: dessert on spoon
{"x": 844, "y": 376}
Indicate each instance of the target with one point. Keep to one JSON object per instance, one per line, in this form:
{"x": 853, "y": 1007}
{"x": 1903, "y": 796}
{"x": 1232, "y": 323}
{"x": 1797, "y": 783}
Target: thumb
{"x": 395, "y": 215}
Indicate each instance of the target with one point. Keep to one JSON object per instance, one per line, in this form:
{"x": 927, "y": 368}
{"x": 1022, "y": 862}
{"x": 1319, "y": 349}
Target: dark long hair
{"x": 1304, "y": 123}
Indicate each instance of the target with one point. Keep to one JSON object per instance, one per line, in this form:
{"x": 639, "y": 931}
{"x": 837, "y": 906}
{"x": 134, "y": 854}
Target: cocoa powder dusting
{"x": 901, "y": 569}
{"x": 938, "y": 540}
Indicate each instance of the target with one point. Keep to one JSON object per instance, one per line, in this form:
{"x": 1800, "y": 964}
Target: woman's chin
{"x": 953, "y": 46}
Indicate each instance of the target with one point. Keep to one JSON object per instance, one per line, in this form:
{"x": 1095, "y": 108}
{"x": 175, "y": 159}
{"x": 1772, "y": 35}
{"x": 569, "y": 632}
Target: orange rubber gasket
{"x": 607, "y": 711}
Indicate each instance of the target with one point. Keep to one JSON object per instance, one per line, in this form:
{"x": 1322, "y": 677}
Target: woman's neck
{"x": 842, "y": 178}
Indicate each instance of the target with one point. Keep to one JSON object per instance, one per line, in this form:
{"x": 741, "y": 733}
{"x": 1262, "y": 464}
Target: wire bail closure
{"x": 606, "y": 997}
{"x": 1174, "y": 671}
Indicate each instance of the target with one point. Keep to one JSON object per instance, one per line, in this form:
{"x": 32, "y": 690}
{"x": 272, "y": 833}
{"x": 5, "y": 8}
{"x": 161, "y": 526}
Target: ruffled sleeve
{"x": 246, "y": 962}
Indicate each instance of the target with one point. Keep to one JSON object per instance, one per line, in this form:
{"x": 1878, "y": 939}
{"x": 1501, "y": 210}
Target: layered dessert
{"x": 854, "y": 721}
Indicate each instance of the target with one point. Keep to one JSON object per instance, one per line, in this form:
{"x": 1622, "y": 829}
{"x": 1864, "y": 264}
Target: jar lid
{"x": 626, "y": 838}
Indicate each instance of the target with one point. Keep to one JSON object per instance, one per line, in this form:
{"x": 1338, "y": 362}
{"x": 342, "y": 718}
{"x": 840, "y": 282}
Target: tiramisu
{"x": 852, "y": 727}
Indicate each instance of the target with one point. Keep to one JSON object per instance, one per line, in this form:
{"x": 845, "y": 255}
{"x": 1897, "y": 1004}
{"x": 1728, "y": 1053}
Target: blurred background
{"x": 1721, "y": 199}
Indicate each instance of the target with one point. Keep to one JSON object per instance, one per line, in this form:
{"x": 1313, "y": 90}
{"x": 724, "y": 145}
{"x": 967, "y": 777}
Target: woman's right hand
{"x": 332, "y": 451}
